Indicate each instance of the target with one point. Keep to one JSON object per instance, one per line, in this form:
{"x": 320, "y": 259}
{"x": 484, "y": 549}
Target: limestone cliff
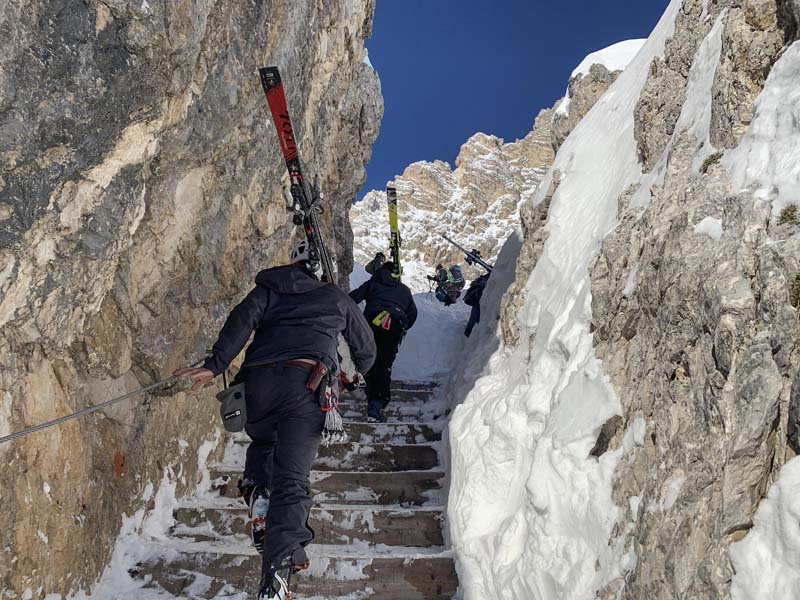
{"x": 141, "y": 189}
{"x": 695, "y": 324}
{"x": 476, "y": 204}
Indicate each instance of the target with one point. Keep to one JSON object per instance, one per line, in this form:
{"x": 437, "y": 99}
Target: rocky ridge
{"x": 476, "y": 204}
{"x": 141, "y": 189}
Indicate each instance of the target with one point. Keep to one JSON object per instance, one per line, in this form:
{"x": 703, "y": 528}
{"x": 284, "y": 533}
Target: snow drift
{"x": 530, "y": 510}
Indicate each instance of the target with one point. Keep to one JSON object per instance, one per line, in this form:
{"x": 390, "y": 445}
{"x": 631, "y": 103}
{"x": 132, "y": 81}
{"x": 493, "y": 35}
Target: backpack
{"x": 475, "y": 292}
{"x": 455, "y": 278}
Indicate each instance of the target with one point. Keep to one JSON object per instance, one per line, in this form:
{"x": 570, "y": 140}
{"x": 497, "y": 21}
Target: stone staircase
{"x": 378, "y": 512}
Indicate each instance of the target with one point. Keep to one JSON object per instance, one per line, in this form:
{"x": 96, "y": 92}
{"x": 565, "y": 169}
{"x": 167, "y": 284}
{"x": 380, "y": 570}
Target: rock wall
{"x": 141, "y": 189}
{"x": 694, "y": 308}
{"x": 692, "y": 311}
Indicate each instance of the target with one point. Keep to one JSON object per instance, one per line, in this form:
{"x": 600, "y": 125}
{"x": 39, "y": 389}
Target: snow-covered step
{"x": 355, "y": 457}
{"x": 404, "y": 412}
{"x": 428, "y": 386}
{"x": 397, "y": 573}
{"x": 370, "y": 487}
{"x": 387, "y": 433}
{"x": 333, "y": 524}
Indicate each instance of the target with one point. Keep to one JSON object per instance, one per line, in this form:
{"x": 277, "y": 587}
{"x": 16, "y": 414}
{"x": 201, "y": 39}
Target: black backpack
{"x": 475, "y": 291}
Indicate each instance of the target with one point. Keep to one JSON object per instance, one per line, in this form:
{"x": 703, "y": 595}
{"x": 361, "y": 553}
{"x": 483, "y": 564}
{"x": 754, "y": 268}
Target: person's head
{"x": 388, "y": 266}
{"x": 380, "y": 257}
{"x": 304, "y": 257}
{"x": 439, "y": 267}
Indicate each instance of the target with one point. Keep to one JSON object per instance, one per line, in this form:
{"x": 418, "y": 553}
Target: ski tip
{"x": 270, "y": 77}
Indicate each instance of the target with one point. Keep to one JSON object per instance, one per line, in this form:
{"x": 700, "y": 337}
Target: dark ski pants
{"x": 285, "y": 422}
{"x": 474, "y": 319}
{"x": 379, "y": 378}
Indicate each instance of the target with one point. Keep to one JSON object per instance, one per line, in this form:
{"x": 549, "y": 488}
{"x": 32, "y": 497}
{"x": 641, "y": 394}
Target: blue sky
{"x": 450, "y": 68}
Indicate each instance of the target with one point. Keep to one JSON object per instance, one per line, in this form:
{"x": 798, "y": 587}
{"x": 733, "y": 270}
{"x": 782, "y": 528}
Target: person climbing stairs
{"x": 378, "y": 514}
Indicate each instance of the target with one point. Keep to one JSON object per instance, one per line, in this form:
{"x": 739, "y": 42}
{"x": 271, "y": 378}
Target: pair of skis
{"x": 394, "y": 230}
{"x": 306, "y": 203}
{"x": 473, "y": 257}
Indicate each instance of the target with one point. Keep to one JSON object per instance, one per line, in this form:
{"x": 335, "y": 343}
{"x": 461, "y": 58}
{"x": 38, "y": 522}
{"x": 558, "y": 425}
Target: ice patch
{"x": 672, "y": 489}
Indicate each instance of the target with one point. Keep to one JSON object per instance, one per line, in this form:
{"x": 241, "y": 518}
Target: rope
{"x": 89, "y": 410}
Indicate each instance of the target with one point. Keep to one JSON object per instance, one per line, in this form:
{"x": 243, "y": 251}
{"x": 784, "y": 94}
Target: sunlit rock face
{"x": 476, "y": 204}
{"x": 141, "y": 189}
{"x": 692, "y": 308}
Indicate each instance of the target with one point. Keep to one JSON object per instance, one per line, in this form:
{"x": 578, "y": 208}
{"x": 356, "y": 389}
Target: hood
{"x": 385, "y": 277}
{"x": 288, "y": 280}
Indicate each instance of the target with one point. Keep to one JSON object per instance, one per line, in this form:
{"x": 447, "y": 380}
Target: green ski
{"x": 394, "y": 231}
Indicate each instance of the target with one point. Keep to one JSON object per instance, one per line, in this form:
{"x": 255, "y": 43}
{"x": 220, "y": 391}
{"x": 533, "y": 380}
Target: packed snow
{"x": 710, "y": 226}
{"x": 530, "y": 511}
{"x": 614, "y": 58}
{"x": 768, "y": 158}
{"x": 767, "y": 561}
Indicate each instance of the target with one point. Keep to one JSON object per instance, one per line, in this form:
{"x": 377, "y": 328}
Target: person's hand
{"x": 202, "y": 377}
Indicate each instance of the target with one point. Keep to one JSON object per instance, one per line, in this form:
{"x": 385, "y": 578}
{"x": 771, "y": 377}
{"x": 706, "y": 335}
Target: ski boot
{"x": 275, "y": 582}
{"x": 257, "y": 499}
{"x": 374, "y": 411}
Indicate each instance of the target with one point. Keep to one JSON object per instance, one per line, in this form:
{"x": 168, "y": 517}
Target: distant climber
{"x": 449, "y": 283}
{"x": 297, "y": 321}
{"x": 372, "y": 266}
{"x": 473, "y": 298}
{"x": 390, "y": 311}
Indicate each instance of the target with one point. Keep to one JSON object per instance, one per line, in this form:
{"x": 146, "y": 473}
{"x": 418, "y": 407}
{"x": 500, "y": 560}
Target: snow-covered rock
{"x": 476, "y": 204}
{"x": 624, "y": 435}
{"x": 590, "y": 80}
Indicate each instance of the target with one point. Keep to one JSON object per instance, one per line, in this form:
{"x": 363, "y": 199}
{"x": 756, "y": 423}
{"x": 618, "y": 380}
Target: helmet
{"x": 439, "y": 267}
{"x": 300, "y": 252}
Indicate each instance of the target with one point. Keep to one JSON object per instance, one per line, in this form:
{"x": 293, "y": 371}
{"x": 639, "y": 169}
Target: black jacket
{"x": 294, "y": 316}
{"x": 475, "y": 291}
{"x": 384, "y": 292}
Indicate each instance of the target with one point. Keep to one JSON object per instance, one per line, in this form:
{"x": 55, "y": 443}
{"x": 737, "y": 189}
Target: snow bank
{"x": 530, "y": 511}
{"x": 142, "y": 539}
{"x": 768, "y": 158}
{"x": 767, "y": 561}
{"x": 486, "y": 337}
{"x": 134, "y": 546}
